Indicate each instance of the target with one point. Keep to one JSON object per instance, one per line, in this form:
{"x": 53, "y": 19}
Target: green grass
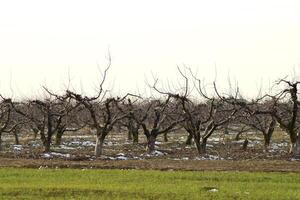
{"x": 23, "y": 183}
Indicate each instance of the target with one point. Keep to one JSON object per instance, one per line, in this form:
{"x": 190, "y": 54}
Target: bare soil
{"x": 223, "y": 153}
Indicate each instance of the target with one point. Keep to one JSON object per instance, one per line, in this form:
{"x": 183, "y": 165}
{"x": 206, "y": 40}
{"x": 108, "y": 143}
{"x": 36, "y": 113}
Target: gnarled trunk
{"x": 267, "y": 141}
{"x": 99, "y": 145}
{"x": 129, "y": 134}
{"x": 151, "y": 143}
{"x": 165, "y": 137}
{"x": 0, "y": 142}
{"x": 294, "y": 146}
{"x": 58, "y": 138}
{"x": 189, "y": 139}
{"x": 245, "y": 144}
{"x": 203, "y": 145}
{"x": 135, "y": 135}
{"x": 47, "y": 145}
{"x": 198, "y": 146}
{"x": 16, "y": 138}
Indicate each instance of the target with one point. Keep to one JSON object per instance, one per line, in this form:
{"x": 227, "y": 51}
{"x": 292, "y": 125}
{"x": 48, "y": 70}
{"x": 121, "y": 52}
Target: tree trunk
{"x": 189, "y": 139}
{"x": 135, "y": 135}
{"x": 165, "y": 137}
{"x": 99, "y": 145}
{"x": 245, "y": 144}
{"x": 151, "y": 143}
{"x": 237, "y": 137}
{"x": 58, "y": 138}
{"x": 294, "y": 147}
{"x": 16, "y": 138}
{"x": 47, "y": 145}
{"x": 267, "y": 141}
{"x": 198, "y": 146}
{"x": 129, "y": 135}
{"x": 297, "y": 148}
{"x": 203, "y": 145}
{"x": 0, "y": 142}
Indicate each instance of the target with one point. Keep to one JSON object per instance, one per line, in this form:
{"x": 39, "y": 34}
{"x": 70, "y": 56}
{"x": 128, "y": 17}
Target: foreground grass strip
{"x": 20, "y": 183}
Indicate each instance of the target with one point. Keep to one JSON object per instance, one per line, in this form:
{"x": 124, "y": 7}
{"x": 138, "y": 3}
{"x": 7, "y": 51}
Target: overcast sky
{"x": 41, "y": 42}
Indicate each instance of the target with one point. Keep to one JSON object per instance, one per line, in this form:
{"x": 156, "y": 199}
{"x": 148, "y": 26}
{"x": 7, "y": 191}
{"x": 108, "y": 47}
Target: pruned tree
{"x": 285, "y": 109}
{"x": 156, "y": 117}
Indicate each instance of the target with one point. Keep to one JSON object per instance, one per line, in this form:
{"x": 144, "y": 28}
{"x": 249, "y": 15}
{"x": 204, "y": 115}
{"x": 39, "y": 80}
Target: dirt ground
{"x": 159, "y": 164}
{"x": 223, "y": 153}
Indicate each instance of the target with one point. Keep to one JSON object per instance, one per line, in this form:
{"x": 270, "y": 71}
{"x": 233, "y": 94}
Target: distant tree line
{"x": 200, "y": 115}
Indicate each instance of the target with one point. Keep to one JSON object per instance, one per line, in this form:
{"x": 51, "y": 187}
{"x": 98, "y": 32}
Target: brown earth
{"x": 160, "y": 164}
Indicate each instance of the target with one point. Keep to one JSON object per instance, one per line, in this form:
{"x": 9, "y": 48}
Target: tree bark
{"x": 135, "y": 135}
{"x": 294, "y": 147}
{"x": 47, "y": 145}
{"x": 165, "y": 137}
{"x": 58, "y": 138}
{"x": 198, "y": 146}
{"x": 0, "y": 142}
{"x": 129, "y": 135}
{"x": 189, "y": 139}
{"x": 99, "y": 145}
{"x": 203, "y": 145}
{"x": 151, "y": 143}
{"x": 16, "y": 138}
{"x": 245, "y": 144}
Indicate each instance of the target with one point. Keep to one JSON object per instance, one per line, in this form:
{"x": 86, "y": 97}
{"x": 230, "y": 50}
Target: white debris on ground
{"x": 237, "y": 142}
{"x": 43, "y": 167}
{"x": 157, "y": 142}
{"x": 78, "y": 144}
{"x": 55, "y": 154}
{"x": 120, "y": 154}
{"x": 66, "y": 147}
{"x": 213, "y": 190}
{"x": 158, "y": 153}
{"x": 154, "y": 153}
{"x": 121, "y": 158}
{"x": 295, "y": 159}
{"x": 209, "y": 157}
{"x": 17, "y": 147}
{"x": 214, "y": 140}
{"x": 88, "y": 144}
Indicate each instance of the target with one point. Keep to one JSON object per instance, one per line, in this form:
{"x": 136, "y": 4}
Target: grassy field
{"x": 21, "y": 183}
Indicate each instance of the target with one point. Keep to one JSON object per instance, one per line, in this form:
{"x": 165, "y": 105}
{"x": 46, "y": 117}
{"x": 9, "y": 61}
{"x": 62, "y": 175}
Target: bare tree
{"x": 156, "y": 117}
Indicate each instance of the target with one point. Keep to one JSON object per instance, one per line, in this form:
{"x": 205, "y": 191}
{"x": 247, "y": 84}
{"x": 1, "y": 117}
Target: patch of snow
{"x": 75, "y": 143}
{"x": 157, "y": 142}
{"x": 158, "y": 153}
{"x": 109, "y": 143}
{"x": 213, "y": 139}
{"x": 295, "y": 159}
{"x": 121, "y": 158}
{"x": 185, "y": 158}
{"x": 17, "y": 147}
{"x": 46, "y": 155}
{"x": 154, "y": 153}
{"x": 120, "y": 154}
{"x": 88, "y": 144}
{"x": 66, "y": 147}
{"x": 209, "y": 157}
{"x": 60, "y": 154}
{"x": 237, "y": 142}
{"x": 55, "y": 154}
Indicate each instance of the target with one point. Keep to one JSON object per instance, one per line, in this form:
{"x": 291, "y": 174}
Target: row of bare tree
{"x": 200, "y": 115}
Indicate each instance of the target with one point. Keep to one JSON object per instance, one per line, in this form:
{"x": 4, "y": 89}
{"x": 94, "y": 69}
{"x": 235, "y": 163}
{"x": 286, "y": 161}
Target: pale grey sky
{"x": 41, "y": 41}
